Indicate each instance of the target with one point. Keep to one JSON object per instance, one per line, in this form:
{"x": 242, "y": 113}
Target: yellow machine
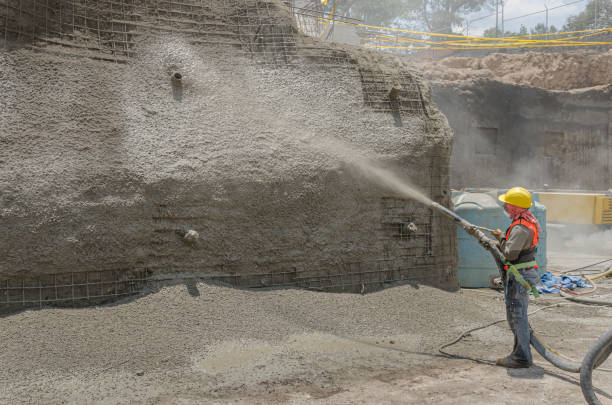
{"x": 577, "y": 208}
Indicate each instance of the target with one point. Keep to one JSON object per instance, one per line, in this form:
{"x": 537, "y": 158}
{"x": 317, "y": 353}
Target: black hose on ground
{"x": 547, "y": 353}
{"x": 544, "y": 350}
{"x": 596, "y": 355}
{"x": 469, "y": 332}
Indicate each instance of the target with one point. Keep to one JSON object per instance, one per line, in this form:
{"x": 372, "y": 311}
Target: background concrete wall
{"x": 507, "y": 134}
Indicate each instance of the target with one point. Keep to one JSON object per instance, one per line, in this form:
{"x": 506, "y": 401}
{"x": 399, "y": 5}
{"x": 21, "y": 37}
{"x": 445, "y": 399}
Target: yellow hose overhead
{"x": 466, "y": 42}
{"x": 435, "y": 34}
{"x": 484, "y": 47}
{"x": 384, "y": 38}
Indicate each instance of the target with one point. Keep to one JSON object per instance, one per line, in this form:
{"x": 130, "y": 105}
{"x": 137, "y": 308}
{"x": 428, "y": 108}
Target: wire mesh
{"x": 110, "y": 29}
{"x": 72, "y": 289}
{"x": 342, "y": 277}
{"x": 407, "y": 229}
{"x": 377, "y": 92}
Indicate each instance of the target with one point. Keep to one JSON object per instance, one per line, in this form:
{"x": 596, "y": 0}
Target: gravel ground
{"x": 219, "y": 338}
{"x": 200, "y": 343}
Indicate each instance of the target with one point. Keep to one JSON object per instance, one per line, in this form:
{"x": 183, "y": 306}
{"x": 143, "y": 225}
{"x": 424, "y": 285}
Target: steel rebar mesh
{"x": 71, "y": 289}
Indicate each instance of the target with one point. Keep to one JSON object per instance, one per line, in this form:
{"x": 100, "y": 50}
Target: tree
{"x": 539, "y": 29}
{"x": 586, "y": 19}
{"x": 430, "y": 15}
{"x": 442, "y": 15}
{"x": 490, "y": 33}
{"x": 382, "y": 12}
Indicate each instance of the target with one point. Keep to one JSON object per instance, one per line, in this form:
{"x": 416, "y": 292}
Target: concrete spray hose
{"x": 596, "y": 355}
{"x": 487, "y": 243}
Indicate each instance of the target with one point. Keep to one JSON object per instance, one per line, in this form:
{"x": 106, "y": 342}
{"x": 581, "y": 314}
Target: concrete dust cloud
{"x": 364, "y": 163}
{"x": 588, "y": 242}
{"x": 571, "y": 227}
{"x": 508, "y": 134}
{"x": 206, "y": 84}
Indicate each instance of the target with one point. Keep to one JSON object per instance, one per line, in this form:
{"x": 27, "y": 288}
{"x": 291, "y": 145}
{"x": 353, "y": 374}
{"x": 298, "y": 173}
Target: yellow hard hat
{"x": 517, "y": 196}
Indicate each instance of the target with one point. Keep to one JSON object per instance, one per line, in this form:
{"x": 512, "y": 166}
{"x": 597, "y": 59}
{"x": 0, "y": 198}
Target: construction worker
{"x": 519, "y": 246}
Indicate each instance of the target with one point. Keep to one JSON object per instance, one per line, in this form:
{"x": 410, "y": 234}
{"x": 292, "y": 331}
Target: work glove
{"x": 485, "y": 243}
{"x": 498, "y": 234}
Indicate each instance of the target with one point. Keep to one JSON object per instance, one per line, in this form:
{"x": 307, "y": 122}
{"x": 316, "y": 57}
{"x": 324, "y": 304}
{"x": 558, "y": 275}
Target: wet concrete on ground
{"x": 225, "y": 345}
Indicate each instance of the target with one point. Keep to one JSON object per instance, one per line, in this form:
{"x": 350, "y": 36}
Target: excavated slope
{"x": 552, "y": 71}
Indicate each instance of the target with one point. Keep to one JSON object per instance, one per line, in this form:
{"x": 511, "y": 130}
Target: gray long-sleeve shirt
{"x": 520, "y": 238}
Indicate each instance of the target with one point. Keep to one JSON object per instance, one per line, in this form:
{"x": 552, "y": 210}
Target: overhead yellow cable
{"x": 559, "y": 33}
{"x": 331, "y": 15}
{"x": 467, "y": 48}
{"x": 552, "y": 40}
{"x": 490, "y": 46}
{"x": 599, "y": 32}
{"x": 434, "y": 34}
{"x": 484, "y": 46}
{"x": 389, "y": 38}
{"x": 396, "y": 29}
{"x": 476, "y": 45}
{"x": 589, "y": 35}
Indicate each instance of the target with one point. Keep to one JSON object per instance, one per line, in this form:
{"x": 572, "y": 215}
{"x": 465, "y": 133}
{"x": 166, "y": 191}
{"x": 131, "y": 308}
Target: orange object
{"x": 530, "y": 225}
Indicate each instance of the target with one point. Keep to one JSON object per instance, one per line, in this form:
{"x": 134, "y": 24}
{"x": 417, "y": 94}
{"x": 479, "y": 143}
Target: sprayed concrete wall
{"x": 108, "y": 156}
{"x": 507, "y": 134}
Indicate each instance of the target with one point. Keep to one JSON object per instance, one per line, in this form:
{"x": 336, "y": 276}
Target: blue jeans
{"x": 517, "y": 301}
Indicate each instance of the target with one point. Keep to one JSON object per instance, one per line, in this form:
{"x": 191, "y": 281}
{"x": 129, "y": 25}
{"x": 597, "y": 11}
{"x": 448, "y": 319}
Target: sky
{"x": 515, "y": 8}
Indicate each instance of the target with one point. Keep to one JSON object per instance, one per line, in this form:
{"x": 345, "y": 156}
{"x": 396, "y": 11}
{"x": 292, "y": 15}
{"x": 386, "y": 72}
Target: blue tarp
{"x": 551, "y": 282}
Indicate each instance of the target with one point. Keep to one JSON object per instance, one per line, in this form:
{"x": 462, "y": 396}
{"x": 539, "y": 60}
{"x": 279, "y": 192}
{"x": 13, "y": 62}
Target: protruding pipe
{"x": 177, "y": 79}
{"x": 394, "y": 92}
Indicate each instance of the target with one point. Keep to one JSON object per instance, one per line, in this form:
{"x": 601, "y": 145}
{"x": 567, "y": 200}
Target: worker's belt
{"x": 526, "y": 265}
{"x": 513, "y": 269}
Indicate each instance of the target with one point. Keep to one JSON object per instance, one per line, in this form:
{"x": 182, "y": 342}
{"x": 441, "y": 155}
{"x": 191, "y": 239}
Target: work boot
{"x": 509, "y": 362}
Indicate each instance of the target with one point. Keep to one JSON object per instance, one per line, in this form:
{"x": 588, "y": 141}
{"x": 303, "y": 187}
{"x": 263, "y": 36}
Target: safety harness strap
{"x": 512, "y": 269}
{"x": 526, "y": 265}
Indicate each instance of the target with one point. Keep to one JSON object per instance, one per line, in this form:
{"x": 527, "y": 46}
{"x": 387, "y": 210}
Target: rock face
{"x": 127, "y": 125}
{"x": 556, "y": 70}
{"x": 507, "y": 134}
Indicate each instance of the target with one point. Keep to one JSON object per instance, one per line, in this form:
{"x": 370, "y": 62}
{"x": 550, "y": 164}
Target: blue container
{"x": 476, "y": 266}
